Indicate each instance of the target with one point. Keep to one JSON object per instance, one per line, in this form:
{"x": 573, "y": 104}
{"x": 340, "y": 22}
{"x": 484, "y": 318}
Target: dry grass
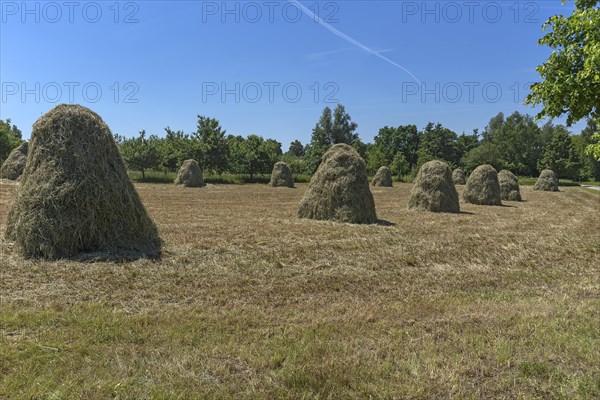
{"x": 251, "y": 302}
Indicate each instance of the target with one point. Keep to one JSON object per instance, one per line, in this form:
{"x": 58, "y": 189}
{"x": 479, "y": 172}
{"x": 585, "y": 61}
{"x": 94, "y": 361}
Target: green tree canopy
{"x": 213, "y": 144}
{"x": 332, "y": 128}
{"x": 571, "y": 76}
{"x": 296, "y": 149}
{"x": 519, "y": 142}
{"x": 140, "y": 153}
{"x": 10, "y": 138}
{"x": 438, "y": 143}
{"x": 253, "y": 155}
{"x": 559, "y": 154}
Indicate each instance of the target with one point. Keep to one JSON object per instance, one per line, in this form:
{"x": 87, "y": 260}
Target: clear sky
{"x": 270, "y": 67}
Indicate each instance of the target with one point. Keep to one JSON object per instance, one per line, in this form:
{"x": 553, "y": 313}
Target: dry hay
{"x": 458, "y": 176}
{"x": 547, "y": 181}
{"x": 281, "y": 176}
{"x": 509, "y": 186}
{"x": 15, "y": 163}
{"x": 483, "y": 187}
{"x": 383, "y": 178}
{"x": 339, "y": 190}
{"x": 75, "y": 199}
{"x": 434, "y": 189}
{"x": 190, "y": 175}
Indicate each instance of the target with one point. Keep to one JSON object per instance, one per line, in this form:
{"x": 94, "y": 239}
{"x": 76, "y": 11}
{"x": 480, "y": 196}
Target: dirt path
{"x": 591, "y": 187}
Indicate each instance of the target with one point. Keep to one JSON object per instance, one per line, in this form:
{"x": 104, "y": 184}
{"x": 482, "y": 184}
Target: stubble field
{"x": 249, "y": 301}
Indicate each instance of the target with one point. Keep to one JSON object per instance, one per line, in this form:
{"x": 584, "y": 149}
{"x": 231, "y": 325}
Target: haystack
{"x": 339, "y": 190}
{"x": 190, "y": 175}
{"x": 483, "y": 187}
{"x": 75, "y": 199}
{"x": 383, "y": 177}
{"x": 547, "y": 181}
{"x": 281, "y": 176}
{"x": 458, "y": 176}
{"x": 434, "y": 189}
{"x": 509, "y": 186}
{"x": 15, "y": 163}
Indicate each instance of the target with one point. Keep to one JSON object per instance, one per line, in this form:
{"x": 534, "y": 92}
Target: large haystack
{"x": 190, "y": 175}
{"x": 339, "y": 190}
{"x": 547, "y": 181}
{"x": 458, "y": 176}
{"x": 434, "y": 189}
{"x": 509, "y": 186}
{"x": 75, "y": 199}
{"x": 383, "y": 178}
{"x": 15, "y": 163}
{"x": 483, "y": 187}
{"x": 281, "y": 176}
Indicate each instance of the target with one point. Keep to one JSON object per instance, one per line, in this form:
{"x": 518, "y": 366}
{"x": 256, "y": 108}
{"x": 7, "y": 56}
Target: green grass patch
{"x": 592, "y": 191}
{"x": 530, "y": 181}
{"x": 223, "y": 179}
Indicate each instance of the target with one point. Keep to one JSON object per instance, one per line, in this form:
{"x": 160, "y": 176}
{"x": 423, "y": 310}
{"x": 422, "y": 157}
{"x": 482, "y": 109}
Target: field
{"x": 250, "y": 302}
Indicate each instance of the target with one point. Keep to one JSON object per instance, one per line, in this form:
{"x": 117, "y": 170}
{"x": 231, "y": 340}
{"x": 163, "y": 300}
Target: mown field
{"x": 250, "y": 302}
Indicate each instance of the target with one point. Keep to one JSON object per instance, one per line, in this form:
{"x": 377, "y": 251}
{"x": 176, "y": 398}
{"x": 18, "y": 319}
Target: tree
{"x": 213, "y": 144}
{"x": 519, "y": 142}
{"x": 485, "y": 153}
{"x": 177, "y": 147}
{"x": 493, "y": 127}
{"x": 559, "y": 154}
{"x": 437, "y": 143}
{"x": 253, "y": 155}
{"x": 399, "y": 165}
{"x": 343, "y": 128}
{"x": 376, "y": 158}
{"x": 594, "y": 149}
{"x": 390, "y": 141}
{"x": 296, "y": 149}
{"x": 332, "y": 128}
{"x": 571, "y": 75}
{"x": 464, "y": 144}
{"x": 141, "y": 153}
{"x": 10, "y": 138}
{"x": 590, "y": 168}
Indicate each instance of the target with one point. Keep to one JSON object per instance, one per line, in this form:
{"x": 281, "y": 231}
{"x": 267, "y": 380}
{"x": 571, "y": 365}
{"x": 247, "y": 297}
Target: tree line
{"x": 515, "y": 142}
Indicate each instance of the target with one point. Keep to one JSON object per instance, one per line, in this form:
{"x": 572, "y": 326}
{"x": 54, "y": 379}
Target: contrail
{"x": 349, "y": 39}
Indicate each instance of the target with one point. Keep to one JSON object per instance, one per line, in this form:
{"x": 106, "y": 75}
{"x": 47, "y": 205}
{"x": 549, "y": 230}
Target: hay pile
{"x": 458, "y": 176}
{"x": 190, "y": 175}
{"x": 75, "y": 199}
{"x": 434, "y": 189}
{"x": 509, "y": 186}
{"x": 15, "y": 163}
{"x": 547, "y": 181}
{"x": 339, "y": 190}
{"x": 483, "y": 187}
{"x": 383, "y": 178}
{"x": 281, "y": 176}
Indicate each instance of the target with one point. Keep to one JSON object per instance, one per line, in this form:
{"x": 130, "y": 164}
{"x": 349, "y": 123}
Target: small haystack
{"x": 190, "y": 175}
{"x": 281, "y": 176}
{"x": 434, "y": 189}
{"x": 76, "y": 199}
{"x": 383, "y": 178}
{"x": 458, "y": 176}
{"x": 15, "y": 163}
{"x": 509, "y": 186}
{"x": 339, "y": 190}
{"x": 547, "y": 181}
{"x": 483, "y": 187}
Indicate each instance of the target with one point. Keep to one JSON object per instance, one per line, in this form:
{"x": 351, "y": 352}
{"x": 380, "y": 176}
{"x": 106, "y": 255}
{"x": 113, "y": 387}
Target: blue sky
{"x": 269, "y": 67}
